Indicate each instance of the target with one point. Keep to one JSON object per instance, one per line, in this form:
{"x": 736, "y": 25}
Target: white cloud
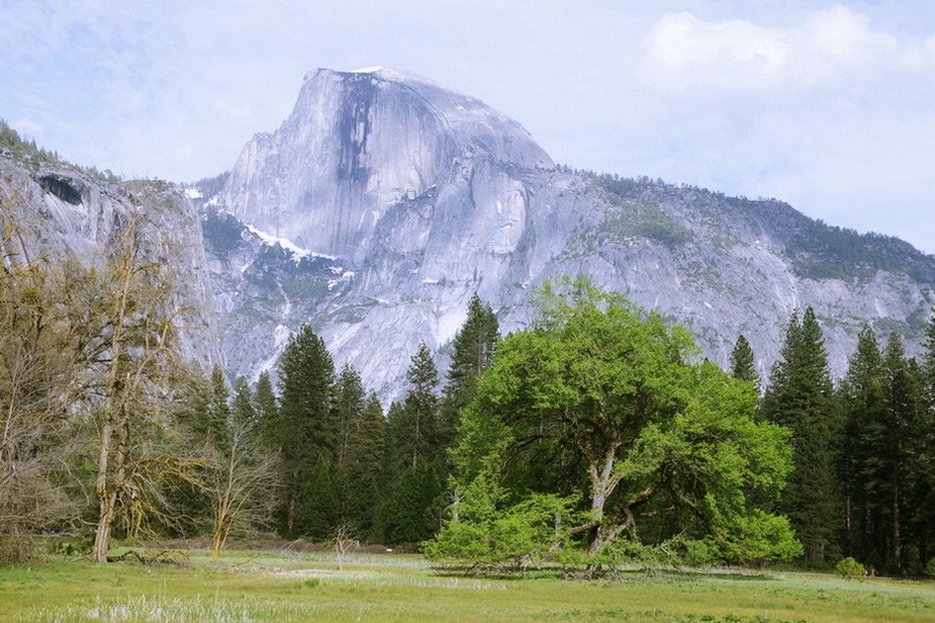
{"x": 684, "y": 52}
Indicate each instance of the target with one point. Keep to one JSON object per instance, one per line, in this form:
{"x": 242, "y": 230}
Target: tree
{"x": 473, "y": 353}
{"x": 317, "y": 513}
{"x": 418, "y": 418}
{"x": 216, "y": 426}
{"x": 799, "y": 398}
{"x": 862, "y": 400}
{"x": 39, "y": 363}
{"x": 305, "y": 430}
{"x": 599, "y": 399}
{"x": 366, "y": 478}
{"x": 905, "y": 406}
{"x": 348, "y": 406}
{"x": 923, "y": 460}
{"x": 267, "y": 411}
{"x": 743, "y": 363}
{"x": 240, "y": 479}
{"x": 135, "y": 383}
{"x": 414, "y": 513}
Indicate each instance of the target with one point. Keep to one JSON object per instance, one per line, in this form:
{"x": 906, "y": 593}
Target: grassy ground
{"x": 275, "y": 586}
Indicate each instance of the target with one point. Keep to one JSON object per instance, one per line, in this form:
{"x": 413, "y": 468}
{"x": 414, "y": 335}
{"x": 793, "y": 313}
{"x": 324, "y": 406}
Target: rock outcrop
{"x": 384, "y": 202}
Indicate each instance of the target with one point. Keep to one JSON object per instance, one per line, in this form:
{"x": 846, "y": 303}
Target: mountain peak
{"x": 356, "y": 144}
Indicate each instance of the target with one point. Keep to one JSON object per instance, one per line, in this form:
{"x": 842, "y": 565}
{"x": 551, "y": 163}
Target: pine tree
{"x": 242, "y": 407}
{"x": 306, "y": 432}
{"x": 905, "y": 405}
{"x": 473, "y": 352}
{"x": 923, "y": 457}
{"x": 415, "y": 510}
{"x": 366, "y": 478}
{"x": 219, "y": 410}
{"x": 799, "y": 398}
{"x": 267, "y": 411}
{"x": 862, "y": 401}
{"x": 348, "y": 406}
{"x": 743, "y": 362}
{"x": 419, "y": 415}
{"x": 318, "y": 513}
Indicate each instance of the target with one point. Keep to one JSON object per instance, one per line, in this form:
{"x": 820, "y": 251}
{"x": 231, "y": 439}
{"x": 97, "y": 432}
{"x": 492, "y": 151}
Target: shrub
{"x": 930, "y": 569}
{"x": 848, "y": 568}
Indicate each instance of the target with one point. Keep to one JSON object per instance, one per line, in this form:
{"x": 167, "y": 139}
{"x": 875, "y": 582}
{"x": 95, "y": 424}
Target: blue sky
{"x": 829, "y": 106}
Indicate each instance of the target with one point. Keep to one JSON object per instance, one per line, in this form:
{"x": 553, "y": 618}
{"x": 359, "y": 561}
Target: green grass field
{"x": 275, "y": 586}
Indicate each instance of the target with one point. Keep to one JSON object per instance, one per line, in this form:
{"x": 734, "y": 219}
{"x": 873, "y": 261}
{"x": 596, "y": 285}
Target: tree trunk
{"x": 897, "y": 537}
{"x": 292, "y": 509}
{"x": 107, "y": 501}
{"x": 602, "y": 485}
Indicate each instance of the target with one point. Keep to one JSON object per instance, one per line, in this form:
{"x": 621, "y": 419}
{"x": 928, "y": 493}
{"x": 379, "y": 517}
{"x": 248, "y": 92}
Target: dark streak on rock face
{"x": 353, "y": 126}
{"x": 60, "y": 186}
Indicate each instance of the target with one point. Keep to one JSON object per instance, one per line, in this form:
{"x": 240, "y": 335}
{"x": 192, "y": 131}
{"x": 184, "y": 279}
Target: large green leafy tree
{"x": 306, "y": 432}
{"x": 599, "y": 400}
{"x": 800, "y": 398}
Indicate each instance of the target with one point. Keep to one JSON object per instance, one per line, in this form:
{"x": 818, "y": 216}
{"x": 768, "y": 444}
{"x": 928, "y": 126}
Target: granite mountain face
{"x": 63, "y": 211}
{"x": 385, "y": 201}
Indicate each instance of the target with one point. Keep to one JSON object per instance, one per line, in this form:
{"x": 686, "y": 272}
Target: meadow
{"x": 307, "y": 586}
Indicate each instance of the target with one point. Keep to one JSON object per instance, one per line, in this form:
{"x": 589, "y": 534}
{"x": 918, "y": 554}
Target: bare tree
{"x": 343, "y": 540}
{"x": 37, "y": 365}
{"x": 242, "y": 477}
{"x": 134, "y": 385}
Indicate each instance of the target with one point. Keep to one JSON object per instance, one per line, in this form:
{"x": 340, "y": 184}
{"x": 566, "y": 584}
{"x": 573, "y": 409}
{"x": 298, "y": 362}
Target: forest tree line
{"x": 593, "y": 437}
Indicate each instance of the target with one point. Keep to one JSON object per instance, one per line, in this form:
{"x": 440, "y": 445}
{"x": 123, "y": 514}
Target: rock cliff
{"x": 385, "y": 201}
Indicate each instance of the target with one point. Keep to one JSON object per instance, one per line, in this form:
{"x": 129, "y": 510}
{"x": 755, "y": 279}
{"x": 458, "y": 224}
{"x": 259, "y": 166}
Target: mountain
{"x": 385, "y": 201}
{"x": 64, "y": 211}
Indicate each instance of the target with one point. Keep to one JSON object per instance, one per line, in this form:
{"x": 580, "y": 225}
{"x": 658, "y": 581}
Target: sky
{"x": 829, "y": 106}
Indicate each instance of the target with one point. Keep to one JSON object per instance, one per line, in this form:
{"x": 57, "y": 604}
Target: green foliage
{"x": 415, "y": 428}
{"x": 365, "y": 479}
{"x": 743, "y": 362}
{"x": 473, "y": 353}
{"x": 883, "y": 458}
{"x": 848, "y": 568}
{"x": 930, "y": 568}
{"x": 822, "y": 251}
{"x": 27, "y": 151}
{"x": 508, "y": 539}
{"x": 413, "y": 511}
{"x": 600, "y": 398}
{"x": 800, "y": 399}
{"x": 348, "y": 407}
{"x": 267, "y": 411}
{"x": 305, "y": 430}
{"x": 318, "y": 509}
{"x": 636, "y": 218}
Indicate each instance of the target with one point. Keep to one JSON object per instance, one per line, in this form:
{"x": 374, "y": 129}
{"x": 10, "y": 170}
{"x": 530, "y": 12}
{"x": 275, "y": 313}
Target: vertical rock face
{"x": 384, "y": 202}
{"x": 358, "y": 143}
{"x": 64, "y": 212}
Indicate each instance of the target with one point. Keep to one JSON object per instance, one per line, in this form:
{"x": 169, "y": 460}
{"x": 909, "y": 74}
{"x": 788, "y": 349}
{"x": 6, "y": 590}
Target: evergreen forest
{"x": 593, "y": 438}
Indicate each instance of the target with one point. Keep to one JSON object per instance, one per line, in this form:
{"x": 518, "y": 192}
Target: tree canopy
{"x": 600, "y": 397}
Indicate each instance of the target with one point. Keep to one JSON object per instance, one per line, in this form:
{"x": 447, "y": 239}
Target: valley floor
{"x": 304, "y": 586}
